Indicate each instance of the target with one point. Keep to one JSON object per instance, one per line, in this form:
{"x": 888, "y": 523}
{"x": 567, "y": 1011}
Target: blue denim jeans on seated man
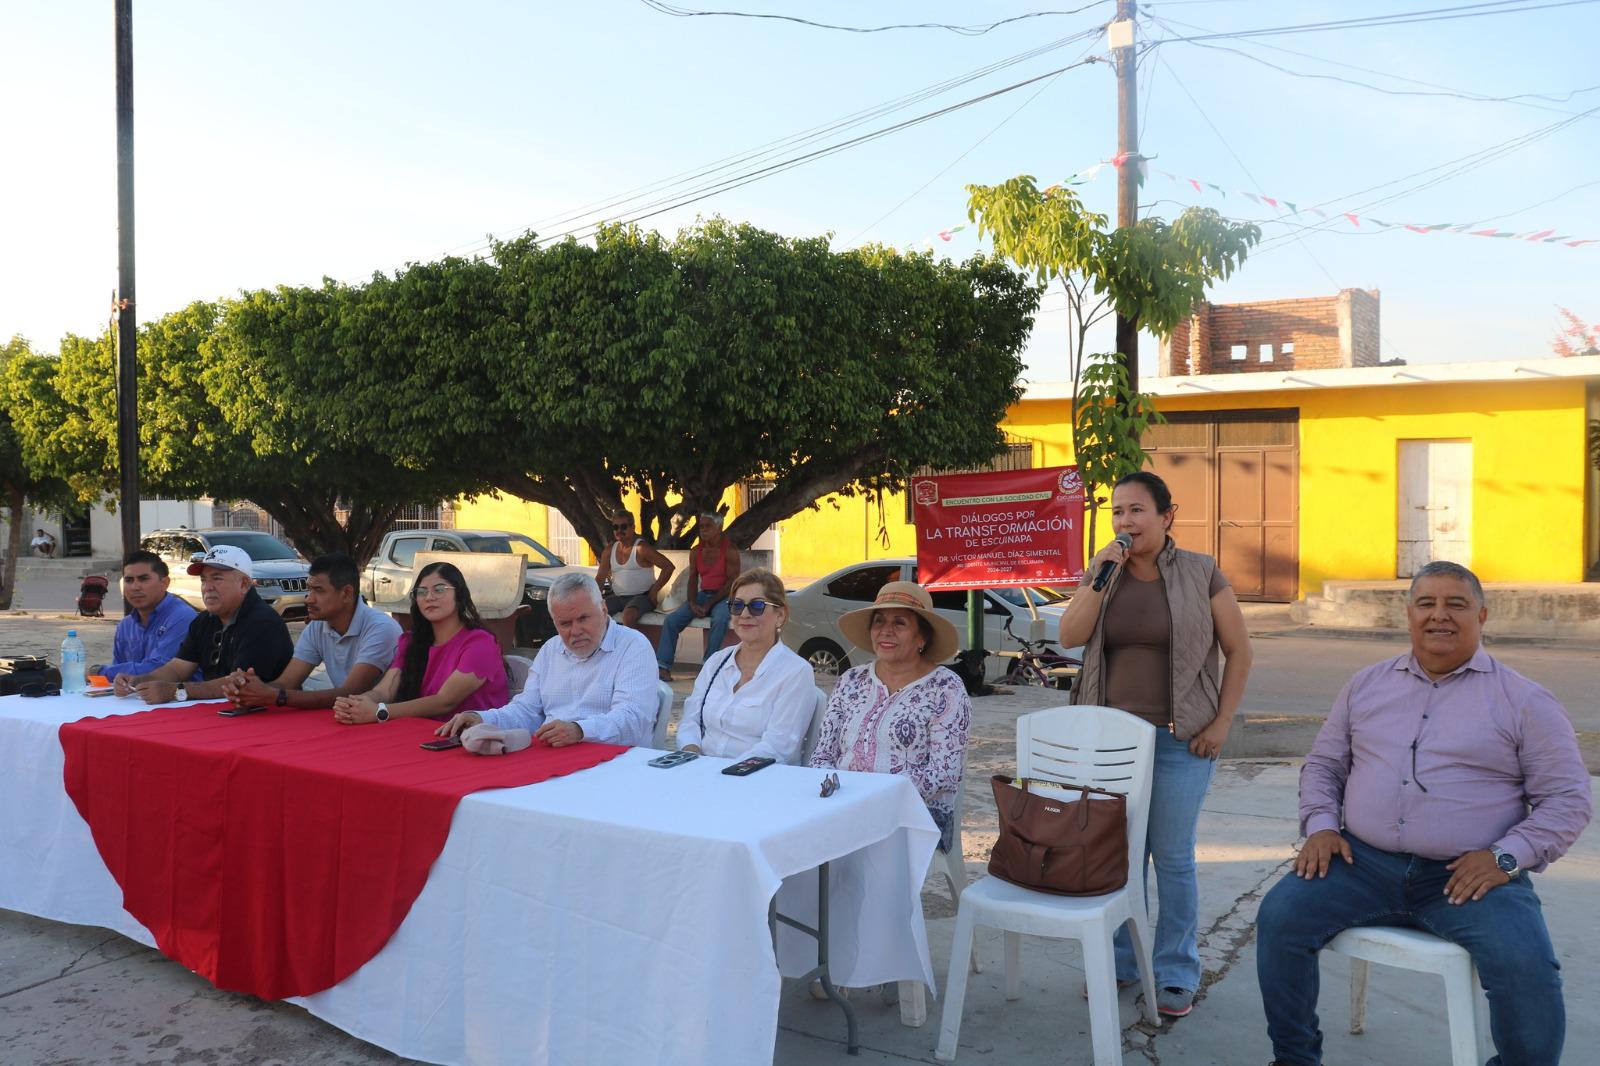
{"x": 678, "y": 621}
{"x": 1504, "y": 932}
{"x": 1177, "y": 792}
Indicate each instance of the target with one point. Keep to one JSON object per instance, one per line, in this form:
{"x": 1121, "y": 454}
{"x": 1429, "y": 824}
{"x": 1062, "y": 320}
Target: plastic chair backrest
{"x": 663, "y": 715}
{"x": 518, "y": 668}
{"x": 1101, "y": 747}
{"x": 810, "y": 742}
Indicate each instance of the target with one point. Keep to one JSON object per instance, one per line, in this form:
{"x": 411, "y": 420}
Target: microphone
{"x": 1106, "y": 567}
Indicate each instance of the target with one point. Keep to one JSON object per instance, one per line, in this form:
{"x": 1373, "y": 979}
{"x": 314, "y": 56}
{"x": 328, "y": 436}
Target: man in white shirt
{"x": 597, "y": 681}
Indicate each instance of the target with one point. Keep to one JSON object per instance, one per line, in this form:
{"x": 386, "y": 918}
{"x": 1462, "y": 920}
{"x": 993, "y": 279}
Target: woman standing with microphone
{"x": 1151, "y": 635}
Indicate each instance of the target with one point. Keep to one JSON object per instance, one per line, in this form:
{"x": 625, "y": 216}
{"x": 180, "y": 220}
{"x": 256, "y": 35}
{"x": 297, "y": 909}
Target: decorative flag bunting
{"x": 1291, "y": 207}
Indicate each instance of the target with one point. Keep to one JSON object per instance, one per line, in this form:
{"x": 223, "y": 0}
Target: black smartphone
{"x": 673, "y": 758}
{"x": 442, "y": 744}
{"x": 746, "y": 767}
{"x": 235, "y": 712}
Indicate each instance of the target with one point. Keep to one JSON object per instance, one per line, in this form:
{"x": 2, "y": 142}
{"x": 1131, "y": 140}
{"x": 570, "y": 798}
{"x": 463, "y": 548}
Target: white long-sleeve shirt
{"x": 611, "y": 693}
{"x": 768, "y": 715}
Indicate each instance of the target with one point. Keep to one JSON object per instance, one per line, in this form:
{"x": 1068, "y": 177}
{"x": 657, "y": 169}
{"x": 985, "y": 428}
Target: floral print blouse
{"x": 920, "y": 731}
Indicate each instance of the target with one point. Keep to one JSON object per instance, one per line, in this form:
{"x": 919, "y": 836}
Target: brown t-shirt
{"x": 1138, "y": 647}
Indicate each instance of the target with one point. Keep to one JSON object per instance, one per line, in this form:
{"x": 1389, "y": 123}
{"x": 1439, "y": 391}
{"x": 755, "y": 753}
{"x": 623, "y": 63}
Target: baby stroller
{"x": 91, "y": 594}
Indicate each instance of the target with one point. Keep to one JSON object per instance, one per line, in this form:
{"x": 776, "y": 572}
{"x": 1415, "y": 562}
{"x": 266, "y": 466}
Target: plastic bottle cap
{"x": 72, "y": 632}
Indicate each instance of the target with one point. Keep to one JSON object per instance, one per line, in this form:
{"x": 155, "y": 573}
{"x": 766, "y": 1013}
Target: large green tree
{"x": 22, "y": 481}
{"x": 217, "y": 420}
{"x": 571, "y": 375}
{"x": 1153, "y": 272}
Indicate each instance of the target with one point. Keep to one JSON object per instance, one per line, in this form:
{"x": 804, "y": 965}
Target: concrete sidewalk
{"x": 77, "y": 995}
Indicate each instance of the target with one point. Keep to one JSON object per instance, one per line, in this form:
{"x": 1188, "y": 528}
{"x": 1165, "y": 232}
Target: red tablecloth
{"x": 277, "y": 852}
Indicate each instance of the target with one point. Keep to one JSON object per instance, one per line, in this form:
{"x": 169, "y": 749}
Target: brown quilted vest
{"x": 1194, "y": 655}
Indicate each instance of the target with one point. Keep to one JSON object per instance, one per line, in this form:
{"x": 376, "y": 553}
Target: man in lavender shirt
{"x": 1439, "y": 782}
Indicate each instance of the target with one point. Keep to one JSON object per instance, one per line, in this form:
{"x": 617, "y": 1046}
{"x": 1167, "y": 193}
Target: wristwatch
{"x": 181, "y": 696}
{"x": 1506, "y": 861}
{"x": 283, "y": 698}
{"x": 383, "y": 712}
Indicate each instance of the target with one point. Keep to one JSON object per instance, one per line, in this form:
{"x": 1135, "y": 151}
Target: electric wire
{"x": 736, "y": 181}
{"x": 976, "y": 30}
{"x": 1398, "y": 18}
{"x": 695, "y": 177}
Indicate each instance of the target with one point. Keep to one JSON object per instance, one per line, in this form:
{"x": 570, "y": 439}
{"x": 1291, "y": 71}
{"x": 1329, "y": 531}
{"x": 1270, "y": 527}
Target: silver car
{"x": 280, "y": 571}
{"x": 813, "y": 626}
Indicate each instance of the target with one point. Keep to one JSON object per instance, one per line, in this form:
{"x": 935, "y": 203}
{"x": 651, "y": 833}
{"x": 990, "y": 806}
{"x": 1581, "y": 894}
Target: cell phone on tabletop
{"x": 442, "y": 744}
{"x": 746, "y": 767}
{"x": 237, "y": 712}
{"x": 673, "y": 758}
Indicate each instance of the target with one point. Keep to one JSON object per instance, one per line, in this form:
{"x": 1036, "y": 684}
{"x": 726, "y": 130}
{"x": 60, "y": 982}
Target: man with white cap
{"x": 238, "y": 631}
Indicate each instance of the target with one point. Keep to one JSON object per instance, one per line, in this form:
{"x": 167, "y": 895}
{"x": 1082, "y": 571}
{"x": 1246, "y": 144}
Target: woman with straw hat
{"x": 902, "y": 713}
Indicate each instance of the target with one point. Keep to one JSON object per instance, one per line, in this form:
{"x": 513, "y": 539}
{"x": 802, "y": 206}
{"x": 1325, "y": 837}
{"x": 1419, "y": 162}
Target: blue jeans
{"x": 1176, "y": 794}
{"x": 1504, "y": 932}
{"x": 678, "y": 621}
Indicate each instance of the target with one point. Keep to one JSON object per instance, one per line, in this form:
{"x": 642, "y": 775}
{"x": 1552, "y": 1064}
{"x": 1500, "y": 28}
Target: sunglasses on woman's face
{"x": 756, "y": 607}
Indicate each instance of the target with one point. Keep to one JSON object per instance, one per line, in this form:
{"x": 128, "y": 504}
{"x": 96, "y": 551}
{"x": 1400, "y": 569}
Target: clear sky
{"x": 278, "y": 143}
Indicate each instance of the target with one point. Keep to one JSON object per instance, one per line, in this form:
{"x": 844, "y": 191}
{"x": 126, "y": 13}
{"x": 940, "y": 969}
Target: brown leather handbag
{"x": 1072, "y": 847}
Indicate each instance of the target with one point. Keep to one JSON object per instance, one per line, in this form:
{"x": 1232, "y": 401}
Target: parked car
{"x": 280, "y": 571}
{"x": 813, "y": 626}
{"x": 386, "y": 582}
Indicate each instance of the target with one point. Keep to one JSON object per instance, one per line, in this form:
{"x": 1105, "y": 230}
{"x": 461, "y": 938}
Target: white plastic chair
{"x": 663, "y": 715}
{"x": 518, "y": 667}
{"x": 1413, "y": 949}
{"x": 809, "y": 744}
{"x": 1104, "y": 748}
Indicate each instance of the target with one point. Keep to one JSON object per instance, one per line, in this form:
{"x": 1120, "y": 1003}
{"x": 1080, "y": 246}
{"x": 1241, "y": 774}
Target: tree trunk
{"x": 313, "y": 527}
{"x": 15, "y": 501}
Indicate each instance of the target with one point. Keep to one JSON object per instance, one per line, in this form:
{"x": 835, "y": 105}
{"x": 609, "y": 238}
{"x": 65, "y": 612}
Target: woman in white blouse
{"x": 757, "y": 697}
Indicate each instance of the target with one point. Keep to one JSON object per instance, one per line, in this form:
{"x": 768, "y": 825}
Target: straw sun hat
{"x": 907, "y": 596}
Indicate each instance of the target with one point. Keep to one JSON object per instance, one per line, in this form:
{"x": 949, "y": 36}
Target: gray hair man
{"x": 595, "y": 681}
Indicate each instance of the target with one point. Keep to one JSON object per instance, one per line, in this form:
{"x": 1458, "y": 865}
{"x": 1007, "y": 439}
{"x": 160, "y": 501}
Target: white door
{"x": 1435, "y": 504}
{"x": 564, "y": 539}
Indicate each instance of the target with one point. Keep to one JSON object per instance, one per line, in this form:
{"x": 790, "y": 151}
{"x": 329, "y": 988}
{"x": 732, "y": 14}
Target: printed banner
{"x": 999, "y": 529}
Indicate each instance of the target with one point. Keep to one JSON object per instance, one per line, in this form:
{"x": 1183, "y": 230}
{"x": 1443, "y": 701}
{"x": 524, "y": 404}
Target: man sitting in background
{"x": 149, "y": 634}
{"x": 238, "y": 631}
{"x": 43, "y": 543}
{"x": 354, "y": 641}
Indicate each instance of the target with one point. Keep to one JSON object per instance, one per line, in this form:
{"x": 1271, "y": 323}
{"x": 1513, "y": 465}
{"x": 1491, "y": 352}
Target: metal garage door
{"x": 1235, "y": 476}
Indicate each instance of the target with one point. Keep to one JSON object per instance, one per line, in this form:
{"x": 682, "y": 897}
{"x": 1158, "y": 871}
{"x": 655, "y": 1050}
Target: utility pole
{"x": 126, "y": 309}
{"x": 1121, "y": 37}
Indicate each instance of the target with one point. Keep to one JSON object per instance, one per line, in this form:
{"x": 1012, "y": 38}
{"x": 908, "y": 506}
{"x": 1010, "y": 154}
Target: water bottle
{"x": 73, "y": 658}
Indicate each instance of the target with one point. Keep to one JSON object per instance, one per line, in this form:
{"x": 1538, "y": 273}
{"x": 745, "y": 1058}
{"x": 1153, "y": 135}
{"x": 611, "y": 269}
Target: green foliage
{"x": 1152, "y": 272}
{"x": 23, "y": 481}
{"x": 567, "y": 375}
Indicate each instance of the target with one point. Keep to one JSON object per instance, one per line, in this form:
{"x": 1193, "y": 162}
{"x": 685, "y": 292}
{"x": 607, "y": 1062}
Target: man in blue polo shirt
{"x": 149, "y": 634}
{"x": 354, "y": 641}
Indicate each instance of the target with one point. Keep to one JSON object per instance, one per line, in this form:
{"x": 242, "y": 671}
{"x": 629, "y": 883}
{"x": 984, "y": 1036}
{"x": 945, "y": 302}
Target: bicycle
{"x": 1036, "y": 666}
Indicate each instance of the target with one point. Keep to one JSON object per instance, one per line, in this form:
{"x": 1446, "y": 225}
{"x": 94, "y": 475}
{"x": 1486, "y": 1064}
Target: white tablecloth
{"x": 617, "y": 915}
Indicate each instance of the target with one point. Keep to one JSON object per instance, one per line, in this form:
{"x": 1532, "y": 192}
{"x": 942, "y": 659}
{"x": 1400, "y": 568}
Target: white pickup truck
{"x": 386, "y": 582}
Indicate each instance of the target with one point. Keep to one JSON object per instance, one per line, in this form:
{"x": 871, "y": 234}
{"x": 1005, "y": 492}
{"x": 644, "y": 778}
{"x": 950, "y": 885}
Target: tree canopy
{"x": 22, "y": 481}
{"x": 1153, "y": 272}
{"x": 566, "y": 374}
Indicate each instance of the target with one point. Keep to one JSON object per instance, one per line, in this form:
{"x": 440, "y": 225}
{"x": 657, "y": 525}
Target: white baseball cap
{"x": 225, "y": 557}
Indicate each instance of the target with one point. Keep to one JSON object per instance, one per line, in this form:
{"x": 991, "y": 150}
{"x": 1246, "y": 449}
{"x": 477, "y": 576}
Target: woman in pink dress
{"x": 902, "y": 713}
{"x": 448, "y": 662}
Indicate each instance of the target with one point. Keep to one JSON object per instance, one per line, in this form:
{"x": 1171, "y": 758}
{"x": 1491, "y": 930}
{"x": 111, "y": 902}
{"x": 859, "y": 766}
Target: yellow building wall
{"x": 1527, "y": 473}
{"x": 1528, "y": 477}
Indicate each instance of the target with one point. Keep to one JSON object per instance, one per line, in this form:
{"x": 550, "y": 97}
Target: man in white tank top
{"x": 632, "y": 565}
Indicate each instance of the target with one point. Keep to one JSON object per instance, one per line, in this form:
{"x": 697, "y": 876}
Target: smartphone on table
{"x": 236, "y": 712}
{"x": 442, "y": 744}
{"x": 673, "y": 758}
{"x": 746, "y": 767}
